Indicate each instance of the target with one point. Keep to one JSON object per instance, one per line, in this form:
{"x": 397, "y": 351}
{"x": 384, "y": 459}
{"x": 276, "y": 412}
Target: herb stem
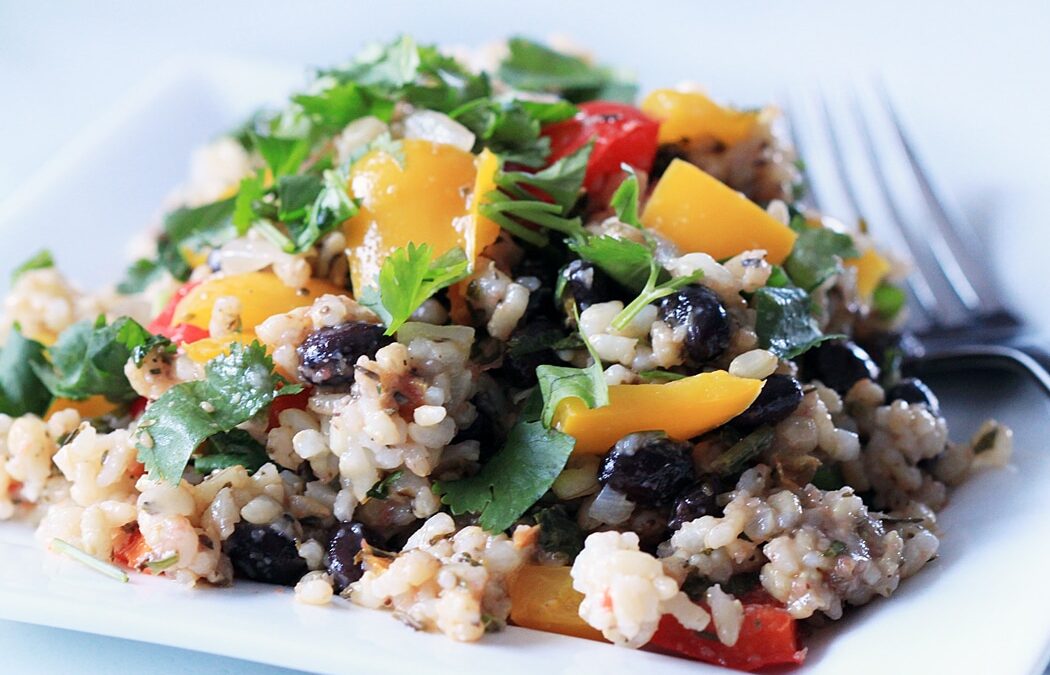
{"x": 111, "y": 571}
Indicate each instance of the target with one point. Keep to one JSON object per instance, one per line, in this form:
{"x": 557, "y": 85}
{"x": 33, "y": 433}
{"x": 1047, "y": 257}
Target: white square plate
{"x": 980, "y": 608}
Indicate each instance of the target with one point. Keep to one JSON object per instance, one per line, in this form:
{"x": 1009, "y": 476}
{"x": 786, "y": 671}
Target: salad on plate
{"x": 488, "y": 338}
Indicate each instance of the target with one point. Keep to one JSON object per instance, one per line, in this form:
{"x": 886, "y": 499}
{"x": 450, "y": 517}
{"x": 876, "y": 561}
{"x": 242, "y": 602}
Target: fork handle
{"x": 1028, "y": 359}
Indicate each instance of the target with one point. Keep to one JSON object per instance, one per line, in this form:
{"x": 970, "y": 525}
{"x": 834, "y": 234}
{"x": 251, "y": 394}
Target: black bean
{"x": 327, "y": 356}
{"x": 914, "y": 390}
{"x": 780, "y": 395}
{"x": 529, "y": 347}
{"x": 840, "y": 364}
{"x": 267, "y": 553}
{"x": 705, "y": 319}
{"x": 699, "y": 500}
{"x": 665, "y": 154}
{"x": 341, "y": 560}
{"x": 583, "y": 282}
{"x": 649, "y": 468}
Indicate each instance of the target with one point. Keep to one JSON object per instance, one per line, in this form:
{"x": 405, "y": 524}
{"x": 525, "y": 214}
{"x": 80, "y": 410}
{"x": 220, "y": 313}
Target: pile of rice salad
{"x": 479, "y": 340}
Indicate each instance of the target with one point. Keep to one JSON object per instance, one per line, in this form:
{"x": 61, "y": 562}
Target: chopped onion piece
{"x": 436, "y": 127}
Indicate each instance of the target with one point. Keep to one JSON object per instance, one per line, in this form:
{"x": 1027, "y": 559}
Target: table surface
{"x": 970, "y": 77}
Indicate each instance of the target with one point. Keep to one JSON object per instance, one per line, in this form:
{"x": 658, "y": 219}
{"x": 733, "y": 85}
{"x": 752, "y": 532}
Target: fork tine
{"x": 811, "y": 197}
{"x": 917, "y": 283}
{"x": 934, "y": 262}
{"x": 964, "y": 271}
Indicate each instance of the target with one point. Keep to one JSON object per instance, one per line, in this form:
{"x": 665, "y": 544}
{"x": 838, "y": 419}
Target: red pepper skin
{"x": 182, "y": 333}
{"x": 297, "y": 401}
{"x": 622, "y": 134}
{"x": 768, "y": 636}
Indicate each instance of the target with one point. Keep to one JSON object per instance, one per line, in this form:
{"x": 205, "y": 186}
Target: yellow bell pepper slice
{"x": 479, "y": 235}
{"x": 685, "y": 115}
{"x": 699, "y": 213}
{"x": 93, "y": 406}
{"x": 261, "y": 294}
{"x": 683, "y": 409}
{"x": 543, "y": 598}
{"x": 871, "y": 268}
{"x": 208, "y": 348}
{"x": 419, "y": 197}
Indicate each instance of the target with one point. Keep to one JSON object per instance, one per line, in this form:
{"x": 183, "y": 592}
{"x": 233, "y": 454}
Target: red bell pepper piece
{"x": 768, "y": 636}
{"x": 622, "y": 134}
{"x": 296, "y": 401}
{"x": 182, "y": 333}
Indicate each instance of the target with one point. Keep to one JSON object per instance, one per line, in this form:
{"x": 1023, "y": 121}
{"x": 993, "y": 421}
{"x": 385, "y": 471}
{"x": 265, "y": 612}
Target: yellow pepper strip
{"x": 93, "y": 406}
{"x": 543, "y": 598}
{"x": 701, "y": 214}
{"x": 261, "y": 294}
{"x": 871, "y": 268}
{"x": 420, "y": 196}
{"x": 479, "y": 235}
{"x": 688, "y": 115}
{"x": 208, "y": 348}
{"x": 684, "y": 408}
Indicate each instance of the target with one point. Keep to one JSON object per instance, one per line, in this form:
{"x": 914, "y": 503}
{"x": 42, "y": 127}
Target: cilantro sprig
{"x": 513, "y": 480}
{"x": 535, "y": 67}
{"x": 236, "y": 387}
{"x": 408, "y": 277}
{"x": 21, "y": 390}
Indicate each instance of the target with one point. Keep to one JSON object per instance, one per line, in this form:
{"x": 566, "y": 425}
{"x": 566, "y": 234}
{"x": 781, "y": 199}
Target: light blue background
{"x": 971, "y": 76}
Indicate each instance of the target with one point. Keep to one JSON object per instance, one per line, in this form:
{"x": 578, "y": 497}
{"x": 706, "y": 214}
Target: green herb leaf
{"x": 408, "y": 277}
{"x": 230, "y": 448}
{"x": 139, "y": 275}
{"x": 331, "y": 207}
{"x": 164, "y": 563}
{"x": 625, "y": 200}
{"x": 828, "y": 477}
{"x": 652, "y": 292}
{"x": 381, "y": 490}
{"x": 296, "y": 195}
{"x": 535, "y": 67}
{"x": 835, "y": 549}
{"x": 236, "y": 387}
{"x": 284, "y": 155}
{"x": 194, "y": 228}
{"x": 888, "y": 300}
{"x": 511, "y": 128}
{"x": 660, "y": 376}
{"x": 330, "y": 109}
{"x": 736, "y": 458}
{"x": 628, "y": 262}
{"x": 88, "y": 359}
{"x": 250, "y": 191}
{"x": 557, "y": 383}
{"x": 559, "y": 533}
{"x": 817, "y": 255}
{"x": 513, "y": 480}
{"x": 40, "y": 261}
{"x": 21, "y": 389}
{"x": 783, "y": 321}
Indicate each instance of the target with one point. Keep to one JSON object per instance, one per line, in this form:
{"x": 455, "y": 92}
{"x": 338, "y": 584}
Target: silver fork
{"x": 860, "y": 162}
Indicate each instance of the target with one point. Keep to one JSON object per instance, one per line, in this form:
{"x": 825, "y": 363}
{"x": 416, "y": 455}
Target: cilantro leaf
{"x": 193, "y": 228}
{"x": 236, "y": 387}
{"x": 331, "y": 207}
{"x": 251, "y": 190}
{"x": 408, "y": 277}
{"x": 625, "y": 200}
{"x": 89, "y": 357}
{"x": 783, "y": 321}
{"x": 513, "y": 206}
{"x": 332, "y": 108}
{"x": 559, "y": 533}
{"x": 230, "y": 448}
{"x": 817, "y": 255}
{"x": 40, "y": 261}
{"x": 651, "y": 292}
{"x": 139, "y": 275}
{"x": 284, "y": 155}
{"x": 21, "y": 390}
{"x": 557, "y": 383}
{"x": 511, "y": 128}
{"x": 296, "y": 195}
{"x": 535, "y": 67}
{"x": 513, "y": 480}
{"x": 626, "y": 261}
{"x": 381, "y": 490}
